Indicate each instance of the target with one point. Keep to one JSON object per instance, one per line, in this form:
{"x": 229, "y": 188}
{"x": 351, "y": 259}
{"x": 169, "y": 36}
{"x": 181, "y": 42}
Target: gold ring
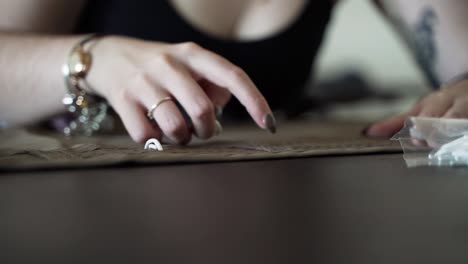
{"x": 149, "y": 114}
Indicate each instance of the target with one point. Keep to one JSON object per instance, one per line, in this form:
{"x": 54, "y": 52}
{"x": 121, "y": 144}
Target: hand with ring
{"x": 143, "y": 81}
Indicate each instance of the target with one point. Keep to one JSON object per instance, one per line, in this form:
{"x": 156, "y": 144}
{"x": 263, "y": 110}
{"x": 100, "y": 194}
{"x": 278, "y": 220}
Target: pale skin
{"x": 449, "y": 40}
{"x": 128, "y": 72}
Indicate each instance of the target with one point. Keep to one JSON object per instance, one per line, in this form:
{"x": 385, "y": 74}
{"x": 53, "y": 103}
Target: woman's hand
{"x": 449, "y": 102}
{"x": 133, "y": 75}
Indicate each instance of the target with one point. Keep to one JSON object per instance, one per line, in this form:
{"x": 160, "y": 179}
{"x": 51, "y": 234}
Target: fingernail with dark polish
{"x": 187, "y": 139}
{"x": 365, "y": 130}
{"x": 270, "y": 123}
{"x": 219, "y": 128}
{"x": 219, "y": 112}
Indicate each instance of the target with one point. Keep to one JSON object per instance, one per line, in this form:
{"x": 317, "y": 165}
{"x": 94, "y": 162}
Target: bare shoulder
{"x": 44, "y": 16}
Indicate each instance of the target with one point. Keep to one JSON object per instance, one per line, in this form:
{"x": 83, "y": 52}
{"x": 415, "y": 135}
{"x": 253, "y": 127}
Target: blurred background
{"x": 361, "y": 48}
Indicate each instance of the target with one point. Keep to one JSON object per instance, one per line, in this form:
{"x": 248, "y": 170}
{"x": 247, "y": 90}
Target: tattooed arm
{"x": 437, "y": 33}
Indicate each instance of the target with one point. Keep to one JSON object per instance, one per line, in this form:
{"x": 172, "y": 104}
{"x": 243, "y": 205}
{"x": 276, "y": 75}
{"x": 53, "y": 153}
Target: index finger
{"x": 223, "y": 73}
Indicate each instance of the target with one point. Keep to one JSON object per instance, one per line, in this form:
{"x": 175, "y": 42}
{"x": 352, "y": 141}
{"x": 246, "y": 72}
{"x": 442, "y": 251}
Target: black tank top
{"x": 279, "y": 65}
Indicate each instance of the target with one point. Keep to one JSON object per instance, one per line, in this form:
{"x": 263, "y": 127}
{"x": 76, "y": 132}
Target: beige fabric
{"x": 21, "y": 149}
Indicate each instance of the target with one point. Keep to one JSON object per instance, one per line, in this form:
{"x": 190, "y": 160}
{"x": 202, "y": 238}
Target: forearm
{"x": 31, "y": 81}
{"x": 436, "y": 32}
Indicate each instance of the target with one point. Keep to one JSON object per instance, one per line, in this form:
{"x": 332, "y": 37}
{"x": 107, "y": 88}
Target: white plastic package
{"x": 434, "y": 141}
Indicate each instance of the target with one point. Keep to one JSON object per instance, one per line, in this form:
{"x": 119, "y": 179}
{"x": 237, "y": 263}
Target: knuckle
{"x": 138, "y": 79}
{"x": 203, "y": 111}
{"x": 237, "y": 74}
{"x": 260, "y": 101}
{"x": 162, "y": 60}
{"x": 175, "y": 129}
{"x": 189, "y": 47}
{"x": 123, "y": 94}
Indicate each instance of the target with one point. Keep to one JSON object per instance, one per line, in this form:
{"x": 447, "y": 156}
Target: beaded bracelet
{"x": 87, "y": 111}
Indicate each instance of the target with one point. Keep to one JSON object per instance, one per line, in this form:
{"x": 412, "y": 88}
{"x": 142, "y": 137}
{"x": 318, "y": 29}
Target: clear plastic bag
{"x": 434, "y": 141}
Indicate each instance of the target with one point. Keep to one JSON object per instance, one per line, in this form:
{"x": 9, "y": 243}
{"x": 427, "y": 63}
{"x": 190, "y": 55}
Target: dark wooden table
{"x": 355, "y": 209}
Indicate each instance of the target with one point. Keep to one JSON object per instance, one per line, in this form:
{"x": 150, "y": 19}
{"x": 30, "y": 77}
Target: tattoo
{"x": 424, "y": 44}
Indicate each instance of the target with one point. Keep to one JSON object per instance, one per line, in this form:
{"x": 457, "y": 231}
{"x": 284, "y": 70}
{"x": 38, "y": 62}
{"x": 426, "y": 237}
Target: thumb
{"x": 388, "y": 127}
